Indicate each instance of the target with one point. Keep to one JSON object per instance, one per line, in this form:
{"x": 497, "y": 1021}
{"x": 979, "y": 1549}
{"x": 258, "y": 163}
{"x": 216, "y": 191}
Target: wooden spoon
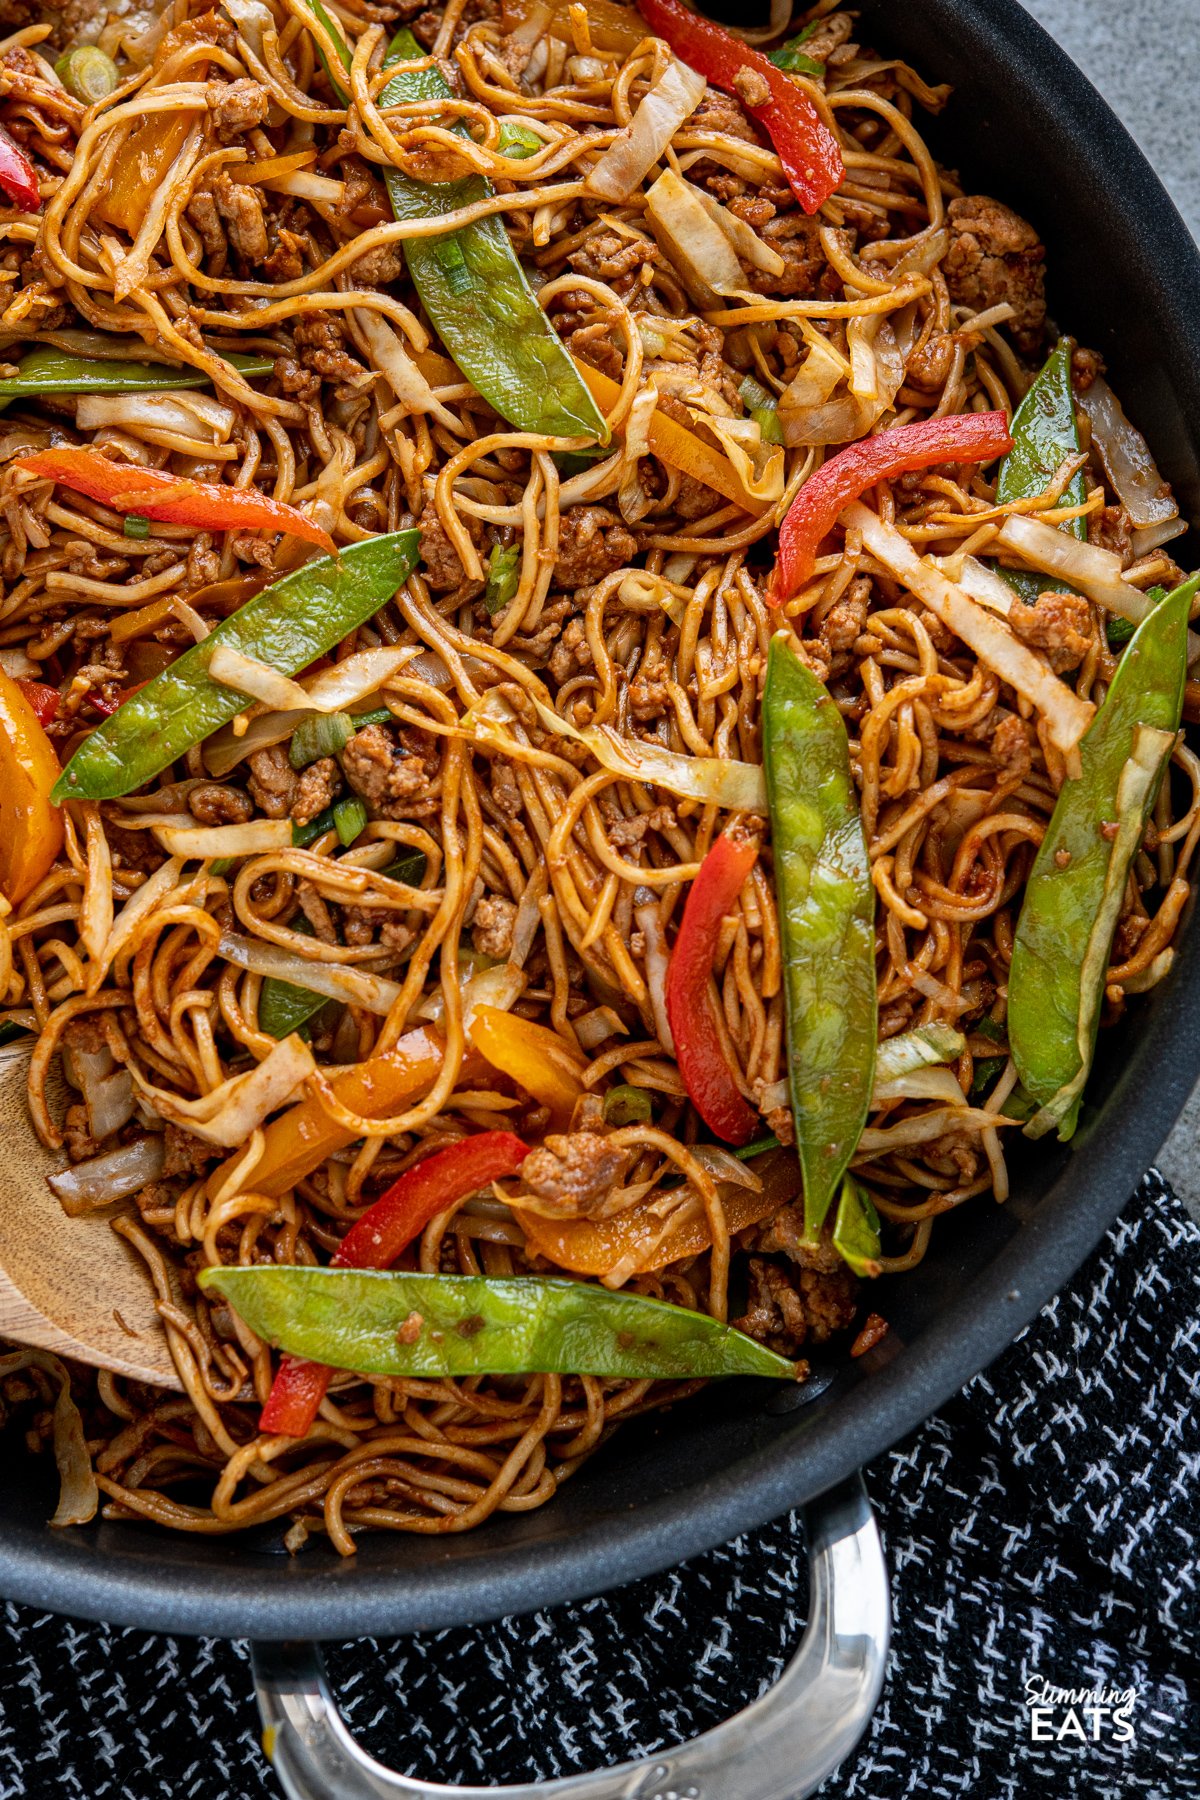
{"x": 67, "y": 1285}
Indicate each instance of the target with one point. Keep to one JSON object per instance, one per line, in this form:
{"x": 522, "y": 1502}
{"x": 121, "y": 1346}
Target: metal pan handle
{"x": 780, "y": 1748}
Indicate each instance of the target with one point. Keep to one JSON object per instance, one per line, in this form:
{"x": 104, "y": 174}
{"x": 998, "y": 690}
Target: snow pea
{"x": 476, "y": 292}
{"x": 47, "y": 370}
{"x": 287, "y": 626}
{"x": 856, "y": 1229}
{"x": 826, "y": 922}
{"x": 1044, "y": 433}
{"x": 1076, "y": 888}
{"x": 395, "y": 1323}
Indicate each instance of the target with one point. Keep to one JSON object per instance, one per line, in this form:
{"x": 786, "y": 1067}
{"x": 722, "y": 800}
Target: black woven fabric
{"x": 1043, "y": 1527}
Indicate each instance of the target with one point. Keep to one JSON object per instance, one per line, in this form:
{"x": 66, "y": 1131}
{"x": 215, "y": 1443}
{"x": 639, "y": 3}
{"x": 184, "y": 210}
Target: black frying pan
{"x": 1025, "y": 125}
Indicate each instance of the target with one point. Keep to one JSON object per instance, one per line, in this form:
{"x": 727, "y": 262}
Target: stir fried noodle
{"x": 565, "y": 693}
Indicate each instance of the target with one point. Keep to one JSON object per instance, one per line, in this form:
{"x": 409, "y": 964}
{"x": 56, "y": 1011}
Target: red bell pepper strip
{"x": 129, "y": 488}
{"x": 963, "y": 437}
{"x": 18, "y": 177}
{"x": 377, "y": 1239}
{"x": 698, "y": 1048}
{"x": 805, "y": 145}
{"x": 42, "y": 698}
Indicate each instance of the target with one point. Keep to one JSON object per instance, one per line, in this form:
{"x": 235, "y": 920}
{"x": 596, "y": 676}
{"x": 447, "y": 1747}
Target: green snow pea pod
{"x": 287, "y": 626}
{"x": 482, "y": 1325}
{"x": 856, "y": 1229}
{"x": 476, "y": 292}
{"x": 1044, "y": 434}
{"x": 826, "y": 922}
{"x": 1074, "y": 894}
{"x": 282, "y": 1006}
{"x": 47, "y": 370}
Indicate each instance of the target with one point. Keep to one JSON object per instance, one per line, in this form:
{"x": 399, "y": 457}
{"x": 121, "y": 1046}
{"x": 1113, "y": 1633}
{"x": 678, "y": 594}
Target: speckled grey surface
{"x": 1134, "y": 51}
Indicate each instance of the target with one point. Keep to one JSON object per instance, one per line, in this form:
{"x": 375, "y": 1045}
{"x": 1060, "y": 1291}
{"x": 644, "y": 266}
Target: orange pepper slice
{"x": 31, "y": 827}
{"x": 299, "y": 1140}
{"x": 532, "y": 1055}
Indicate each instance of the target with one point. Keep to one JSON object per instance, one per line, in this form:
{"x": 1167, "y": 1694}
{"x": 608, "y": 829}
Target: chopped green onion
{"x": 136, "y": 525}
{"x": 1119, "y": 631}
{"x": 789, "y": 56}
{"x": 757, "y": 1146}
{"x": 87, "y": 73}
{"x": 350, "y": 819}
{"x": 576, "y": 462}
{"x": 986, "y": 1071}
{"x": 502, "y": 578}
{"x": 767, "y": 420}
{"x": 221, "y": 865}
{"x": 518, "y": 140}
{"x": 752, "y": 393}
{"x": 324, "y": 734}
{"x": 282, "y": 1006}
{"x": 409, "y": 868}
{"x": 626, "y": 1105}
{"x": 304, "y": 835}
{"x": 381, "y": 716}
{"x": 449, "y": 257}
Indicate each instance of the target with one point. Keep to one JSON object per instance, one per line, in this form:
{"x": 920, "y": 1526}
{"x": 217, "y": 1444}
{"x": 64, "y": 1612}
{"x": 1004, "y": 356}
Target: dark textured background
{"x": 1044, "y": 1522}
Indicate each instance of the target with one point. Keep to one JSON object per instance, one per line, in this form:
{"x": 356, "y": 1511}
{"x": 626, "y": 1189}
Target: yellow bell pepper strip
{"x": 378, "y": 1238}
{"x": 671, "y": 442}
{"x": 1076, "y": 889}
{"x": 172, "y": 500}
{"x": 532, "y": 1055}
{"x": 145, "y": 157}
{"x": 286, "y": 626}
{"x": 408, "y": 1325}
{"x": 299, "y": 1140}
{"x": 31, "y": 827}
{"x": 610, "y": 27}
{"x": 636, "y": 1242}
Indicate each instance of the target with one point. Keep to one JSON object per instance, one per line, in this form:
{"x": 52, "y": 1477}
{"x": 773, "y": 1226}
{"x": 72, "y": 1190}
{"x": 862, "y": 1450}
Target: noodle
{"x": 638, "y": 606}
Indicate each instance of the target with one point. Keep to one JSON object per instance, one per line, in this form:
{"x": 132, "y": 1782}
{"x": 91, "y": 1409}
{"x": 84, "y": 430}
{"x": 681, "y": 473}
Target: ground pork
{"x": 648, "y": 697}
{"x": 607, "y": 256}
{"x": 624, "y": 833}
{"x": 320, "y": 340}
{"x": 788, "y": 1307}
{"x": 80, "y": 1143}
{"x": 1112, "y": 529}
{"x": 318, "y": 787}
{"x": 186, "y": 1154}
{"x": 797, "y": 239}
{"x": 241, "y": 208}
{"x": 572, "y": 1171}
{"x": 1012, "y": 744}
{"x": 571, "y": 653}
{"x": 236, "y": 106}
{"x": 440, "y": 562}
{"x": 272, "y": 782}
{"x": 134, "y": 849}
{"x": 393, "y": 783}
{"x": 1059, "y": 624}
{"x": 213, "y": 804}
{"x": 995, "y": 256}
{"x": 591, "y": 544}
{"x": 492, "y": 931}
{"x": 843, "y": 623}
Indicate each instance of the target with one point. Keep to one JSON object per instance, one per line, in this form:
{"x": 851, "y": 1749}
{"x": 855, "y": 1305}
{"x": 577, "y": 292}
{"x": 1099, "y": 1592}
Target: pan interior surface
{"x": 1124, "y": 277}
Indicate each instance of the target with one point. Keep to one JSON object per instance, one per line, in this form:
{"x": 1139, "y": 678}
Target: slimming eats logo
{"x": 1081, "y": 1715}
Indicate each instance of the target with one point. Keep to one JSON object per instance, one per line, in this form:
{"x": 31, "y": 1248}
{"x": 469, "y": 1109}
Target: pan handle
{"x": 780, "y": 1748}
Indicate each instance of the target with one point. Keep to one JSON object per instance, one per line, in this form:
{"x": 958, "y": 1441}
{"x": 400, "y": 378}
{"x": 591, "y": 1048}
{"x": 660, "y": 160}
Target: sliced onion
{"x": 337, "y": 981}
{"x": 499, "y": 987}
{"x": 744, "y": 239}
{"x": 726, "y": 1167}
{"x": 920, "y": 1048}
{"x": 183, "y": 414}
{"x": 735, "y": 786}
{"x": 939, "y": 993}
{"x": 252, "y": 19}
{"x": 14, "y": 662}
{"x": 925, "y": 1127}
{"x": 1067, "y": 716}
{"x": 699, "y": 250}
{"x": 593, "y": 1028}
{"x": 920, "y": 1084}
{"x": 528, "y": 919}
{"x": 239, "y": 1105}
{"x": 306, "y": 185}
{"x": 112, "y": 1176}
{"x": 388, "y": 355}
{"x": 250, "y": 839}
{"x": 635, "y": 150}
{"x": 78, "y": 1495}
{"x": 1125, "y": 454}
{"x": 107, "y": 1090}
{"x": 1153, "y": 537}
{"x": 649, "y": 923}
{"x": 632, "y": 497}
